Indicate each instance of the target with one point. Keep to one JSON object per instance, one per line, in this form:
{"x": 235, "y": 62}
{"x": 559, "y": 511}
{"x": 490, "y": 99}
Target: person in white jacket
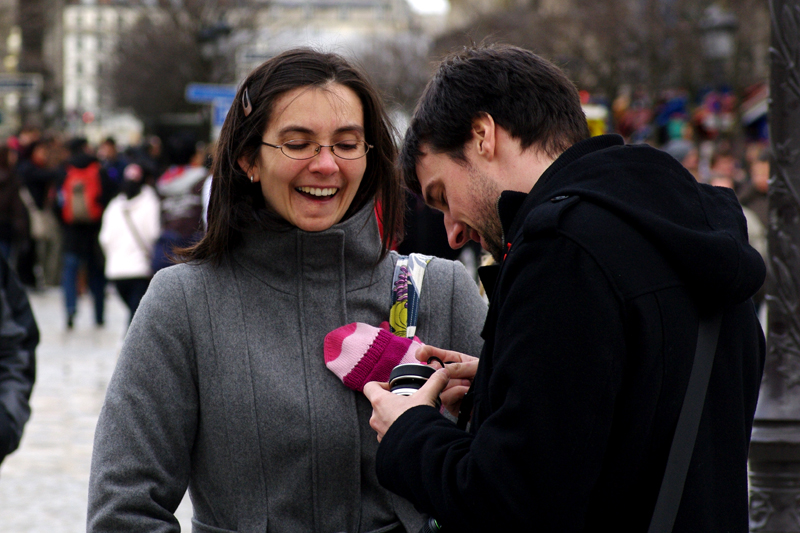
{"x": 131, "y": 225}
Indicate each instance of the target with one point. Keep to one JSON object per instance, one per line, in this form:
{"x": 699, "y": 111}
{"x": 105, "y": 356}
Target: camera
{"x": 406, "y": 379}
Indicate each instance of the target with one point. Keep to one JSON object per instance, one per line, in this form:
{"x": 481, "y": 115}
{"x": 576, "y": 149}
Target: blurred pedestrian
{"x": 13, "y": 215}
{"x": 725, "y": 164}
{"x": 112, "y": 161}
{"x": 40, "y": 176}
{"x": 686, "y": 153}
{"x": 83, "y": 194}
{"x": 19, "y": 336}
{"x": 180, "y": 189}
{"x": 753, "y": 193}
{"x": 131, "y": 224}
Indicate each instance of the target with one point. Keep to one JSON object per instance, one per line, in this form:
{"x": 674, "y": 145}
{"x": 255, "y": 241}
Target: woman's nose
{"x": 324, "y": 162}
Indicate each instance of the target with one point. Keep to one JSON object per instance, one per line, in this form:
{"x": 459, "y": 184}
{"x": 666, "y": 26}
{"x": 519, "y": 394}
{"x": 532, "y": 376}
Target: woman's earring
{"x": 251, "y": 179}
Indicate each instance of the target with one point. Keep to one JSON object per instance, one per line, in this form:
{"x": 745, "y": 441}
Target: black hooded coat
{"x": 590, "y": 337}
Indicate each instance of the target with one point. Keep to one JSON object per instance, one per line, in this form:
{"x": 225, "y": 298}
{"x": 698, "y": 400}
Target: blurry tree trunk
{"x": 775, "y": 446}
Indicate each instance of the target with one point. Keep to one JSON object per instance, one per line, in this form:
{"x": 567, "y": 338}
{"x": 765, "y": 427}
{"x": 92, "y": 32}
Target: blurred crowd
{"x": 78, "y": 216}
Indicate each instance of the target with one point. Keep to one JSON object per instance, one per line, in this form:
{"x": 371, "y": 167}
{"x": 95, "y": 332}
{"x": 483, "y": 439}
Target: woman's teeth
{"x": 315, "y": 191}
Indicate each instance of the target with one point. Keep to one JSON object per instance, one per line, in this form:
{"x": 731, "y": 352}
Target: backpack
{"x": 81, "y": 195}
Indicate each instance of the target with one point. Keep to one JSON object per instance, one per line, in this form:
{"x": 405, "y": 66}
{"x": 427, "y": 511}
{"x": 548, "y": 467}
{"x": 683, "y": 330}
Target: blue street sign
{"x": 23, "y": 83}
{"x": 206, "y": 93}
{"x": 220, "y": 111}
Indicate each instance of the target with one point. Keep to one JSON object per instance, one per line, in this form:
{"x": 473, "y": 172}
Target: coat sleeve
{"x": 147, "y": 426}
{"x": 545, "y": 399}
{"x": 19, "y": 337}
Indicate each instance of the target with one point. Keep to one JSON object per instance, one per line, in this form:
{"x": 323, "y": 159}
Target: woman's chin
{"x": 313, "y": 224}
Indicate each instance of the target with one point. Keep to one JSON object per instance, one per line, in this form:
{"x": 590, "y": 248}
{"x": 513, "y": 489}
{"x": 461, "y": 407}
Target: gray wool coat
{"x": 221, "y": 386}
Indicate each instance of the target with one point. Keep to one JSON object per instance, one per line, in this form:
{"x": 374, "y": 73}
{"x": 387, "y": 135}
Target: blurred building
{"x": 90, "y": 30}
{"x": 10, "y": 47}
{"x": 24, "y": 75}
{"x": 463, "y": 12}
{"x": 69, "y": 46}
{"x": 344, "y": 26}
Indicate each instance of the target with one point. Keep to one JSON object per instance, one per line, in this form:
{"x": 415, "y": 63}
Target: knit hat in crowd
{"x": 359, "y": 353}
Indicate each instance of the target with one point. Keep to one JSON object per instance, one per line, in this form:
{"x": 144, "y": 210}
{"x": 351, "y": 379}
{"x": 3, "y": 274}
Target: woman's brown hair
{"x": 237, "y": 206}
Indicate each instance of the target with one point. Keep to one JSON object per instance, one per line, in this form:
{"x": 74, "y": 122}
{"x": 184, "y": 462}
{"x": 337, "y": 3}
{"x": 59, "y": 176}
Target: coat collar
{"x": 350, "y": 248}
{"x": 511, "y": 203}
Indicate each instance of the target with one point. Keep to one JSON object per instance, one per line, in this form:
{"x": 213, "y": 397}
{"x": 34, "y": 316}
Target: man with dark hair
{"x": 84, "y": 192}
{"x": 607, "y": 258}
{"x": 113, "y": 163}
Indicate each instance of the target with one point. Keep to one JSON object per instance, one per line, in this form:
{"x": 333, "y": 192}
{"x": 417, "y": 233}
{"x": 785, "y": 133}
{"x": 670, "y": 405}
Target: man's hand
{"x": 460, "y": 367}
{"x": 387, "y": 407}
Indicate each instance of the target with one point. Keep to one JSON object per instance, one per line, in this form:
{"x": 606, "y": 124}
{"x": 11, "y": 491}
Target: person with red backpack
{"x": 83, "y": 192}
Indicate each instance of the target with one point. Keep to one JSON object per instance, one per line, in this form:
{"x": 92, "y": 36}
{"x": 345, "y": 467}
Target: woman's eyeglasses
{"x": 302, "y": 149}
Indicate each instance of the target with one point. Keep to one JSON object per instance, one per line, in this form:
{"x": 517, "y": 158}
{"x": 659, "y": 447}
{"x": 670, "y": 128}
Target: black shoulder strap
{"x": 680, "y": 453}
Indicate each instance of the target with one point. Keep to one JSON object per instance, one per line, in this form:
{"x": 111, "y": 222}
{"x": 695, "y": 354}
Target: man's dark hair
{"x": 525, "y": 94}
{"x": 181, "y": 147}
{"x": 77, "y": 145}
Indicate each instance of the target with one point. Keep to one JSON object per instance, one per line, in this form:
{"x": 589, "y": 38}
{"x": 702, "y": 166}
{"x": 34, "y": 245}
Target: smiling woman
{"x": 221, "y": 384}
{"x": 307, "y": 186}
{"x": 303, "y": 126}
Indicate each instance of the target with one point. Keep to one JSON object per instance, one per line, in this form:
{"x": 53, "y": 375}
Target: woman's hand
{"x": 460, "y": 367}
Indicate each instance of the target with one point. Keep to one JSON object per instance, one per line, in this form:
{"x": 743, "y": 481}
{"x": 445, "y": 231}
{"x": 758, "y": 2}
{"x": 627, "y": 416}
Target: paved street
{"x": 43, "y": 485}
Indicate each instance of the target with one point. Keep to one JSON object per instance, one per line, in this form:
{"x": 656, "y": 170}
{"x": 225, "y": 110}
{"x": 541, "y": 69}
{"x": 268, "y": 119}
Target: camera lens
{"x": 406, "y": 379}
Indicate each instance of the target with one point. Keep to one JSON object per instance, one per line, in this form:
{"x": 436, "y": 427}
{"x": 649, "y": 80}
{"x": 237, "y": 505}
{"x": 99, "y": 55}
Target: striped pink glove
{"x": 359, "y": 353}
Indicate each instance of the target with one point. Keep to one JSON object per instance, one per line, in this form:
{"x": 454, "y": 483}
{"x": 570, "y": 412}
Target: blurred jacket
{"x": 19, "y": 336}
{"x": 128, "y": 254}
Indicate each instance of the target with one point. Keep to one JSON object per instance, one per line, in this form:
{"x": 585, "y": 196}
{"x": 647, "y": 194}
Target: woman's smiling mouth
{"x": 318, "y": 192}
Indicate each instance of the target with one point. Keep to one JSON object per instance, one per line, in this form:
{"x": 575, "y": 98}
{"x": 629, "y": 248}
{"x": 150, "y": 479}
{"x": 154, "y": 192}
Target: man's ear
{"x": 484, "y": 135}
{"x": 248, "y": 168}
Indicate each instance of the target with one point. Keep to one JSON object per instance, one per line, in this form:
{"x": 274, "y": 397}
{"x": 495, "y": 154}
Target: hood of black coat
{"x": 700, "y": 229}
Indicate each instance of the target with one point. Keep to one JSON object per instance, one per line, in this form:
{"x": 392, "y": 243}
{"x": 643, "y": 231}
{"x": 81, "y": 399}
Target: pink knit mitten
{"x": 359, "y": 353}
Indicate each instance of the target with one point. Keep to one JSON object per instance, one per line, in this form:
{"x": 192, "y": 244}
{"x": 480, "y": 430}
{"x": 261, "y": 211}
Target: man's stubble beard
{"x": 487, "y": 221}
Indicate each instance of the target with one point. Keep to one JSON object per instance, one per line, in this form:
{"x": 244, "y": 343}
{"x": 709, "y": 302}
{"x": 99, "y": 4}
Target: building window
{"x": 78, "y": 67}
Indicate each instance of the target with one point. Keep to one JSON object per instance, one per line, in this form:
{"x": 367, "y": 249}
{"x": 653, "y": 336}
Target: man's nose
{"x": 324, "y": 162}
{"x": 457, "y": 232}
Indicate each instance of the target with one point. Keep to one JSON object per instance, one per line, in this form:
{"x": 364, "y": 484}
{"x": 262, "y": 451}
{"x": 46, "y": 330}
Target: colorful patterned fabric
{"x": 409, "y": 272}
